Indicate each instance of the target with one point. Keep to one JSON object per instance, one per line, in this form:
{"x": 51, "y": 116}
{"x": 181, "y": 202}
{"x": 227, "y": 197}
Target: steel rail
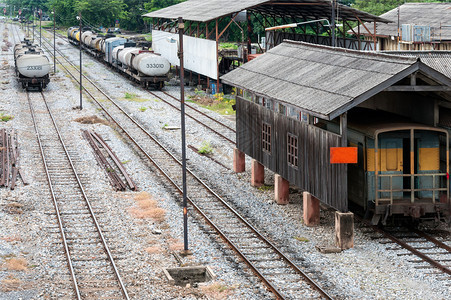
{"x": 200, "y": 112}
{"x": 195, "y": 119}
{"x": 432, "y": 240}
{"x": 414, "y": 251}
{"x": 85, "y": 197}
{"x": 55, "y": 204}
{"x": 164, "y": 173}
{"x": 177, "y": 108}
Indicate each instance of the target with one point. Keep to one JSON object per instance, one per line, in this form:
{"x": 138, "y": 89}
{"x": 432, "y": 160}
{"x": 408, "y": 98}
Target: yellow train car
{"x": 403, "y": 169}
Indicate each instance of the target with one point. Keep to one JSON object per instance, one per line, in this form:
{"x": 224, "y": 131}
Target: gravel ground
{"x": 145, "y": 244}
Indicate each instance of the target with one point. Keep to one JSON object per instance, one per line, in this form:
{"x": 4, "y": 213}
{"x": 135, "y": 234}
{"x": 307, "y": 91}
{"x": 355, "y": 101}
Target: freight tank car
{"x": 138, "y": 63}
{"x": 32, "y": 66}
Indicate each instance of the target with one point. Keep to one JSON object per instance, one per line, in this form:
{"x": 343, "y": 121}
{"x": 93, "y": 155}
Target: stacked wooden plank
{"x": 108, "y": 160}
{"x": 9, "y": 159}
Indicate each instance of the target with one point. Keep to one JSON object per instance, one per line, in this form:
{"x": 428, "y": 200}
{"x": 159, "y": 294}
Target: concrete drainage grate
{"x": 188, "y": 275}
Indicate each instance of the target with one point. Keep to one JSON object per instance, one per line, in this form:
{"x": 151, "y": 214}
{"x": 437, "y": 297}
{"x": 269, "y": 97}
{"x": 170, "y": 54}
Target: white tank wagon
{"x": 137, "y": 63}
{"x": 143, "y": 65}
{"x": 32, "y": 66}
{"x": 150, "y": 64}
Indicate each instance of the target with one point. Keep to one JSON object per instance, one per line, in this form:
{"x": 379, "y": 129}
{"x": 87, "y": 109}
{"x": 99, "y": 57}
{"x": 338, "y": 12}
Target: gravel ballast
{"x": 144, "y": 245}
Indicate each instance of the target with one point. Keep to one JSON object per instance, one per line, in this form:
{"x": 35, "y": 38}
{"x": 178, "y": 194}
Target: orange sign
{"x": 343, "y": 155}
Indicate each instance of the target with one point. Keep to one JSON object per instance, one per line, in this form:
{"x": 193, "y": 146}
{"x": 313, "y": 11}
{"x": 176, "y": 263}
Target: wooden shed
{"x": 295, "y": 102}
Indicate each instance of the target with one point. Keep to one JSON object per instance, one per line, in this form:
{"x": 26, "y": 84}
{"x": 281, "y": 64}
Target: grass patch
{"x": 133, "y": 97}
{"x": 10, "y": 284}
{"x": 205, "y": 148}
{"x": 146, "y": 207}
{"x": 154, "y": 250}
{"x": 218, "y": 290}
{"x": 91, "y": 120}
{"x": 228, "y": 46}
{"x": 130, "y": 96}
{"x": 5, "y": 118}
{"x": 301, "y": 239}
{"x": 142, "y": 108}
{"x": 16, "y": 264}
{"x": 148, "y": 37}
{"x": 176, "y": 247}
{"x": 217, "y": 102}
{"x": 266, "y": 188}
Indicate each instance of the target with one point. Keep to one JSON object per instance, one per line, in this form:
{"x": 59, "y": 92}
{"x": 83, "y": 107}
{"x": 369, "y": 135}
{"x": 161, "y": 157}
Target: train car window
{"x": 266, "y": 138}
{"x": 392, "y": 157}
{"x": 292, "y": 150}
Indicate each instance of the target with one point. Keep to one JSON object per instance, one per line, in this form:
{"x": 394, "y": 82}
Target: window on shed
{"x": 282, "y": 109}
{"x": 248, "y": 95}
{"x": 259, "y": 100}
{"x": 267, "y": 103}
{"x": 292, "y": 150}
{"x": 293, "y": 112}
{"x": 266, "y": 138}
{"x": 304, "y": 117}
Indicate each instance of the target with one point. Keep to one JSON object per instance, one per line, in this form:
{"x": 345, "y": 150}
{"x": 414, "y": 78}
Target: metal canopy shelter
{"x": 199, "y": 14}
{"x": 209, "y": 10}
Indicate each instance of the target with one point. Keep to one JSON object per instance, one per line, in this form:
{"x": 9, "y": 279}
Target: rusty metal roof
{"x": 322, "y": 81}
{"x": 208, "y": 10}
{"x": 438, "y": 60}
{"x": 435, "y": 15}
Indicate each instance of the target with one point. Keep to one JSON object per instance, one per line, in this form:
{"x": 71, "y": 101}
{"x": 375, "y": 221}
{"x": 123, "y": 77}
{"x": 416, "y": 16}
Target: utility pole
{"x": 332, "y": 28}
{"x": 34, "y": 17}
{"x": 40, "y": 27}
{"x": 54, "y": 42}
{"x": 181, "y": 27}
{"x": 81, "y": 72}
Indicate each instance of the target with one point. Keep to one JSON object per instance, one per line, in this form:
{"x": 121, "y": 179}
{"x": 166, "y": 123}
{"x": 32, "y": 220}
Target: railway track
{"x": 281, "y": 275}
{"x": 219, "y": 128}
{"x": 431, "y": 253}
{"x": 91, "y": 264}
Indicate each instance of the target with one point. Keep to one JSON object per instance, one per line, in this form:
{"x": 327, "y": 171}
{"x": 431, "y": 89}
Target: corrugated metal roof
{"x": 428, "y": 14}
{"x": 439, "y": 60}
{"x": 318, "y": 79}
{"x": 204, "y": 10}
{"x": 208, "y": 10}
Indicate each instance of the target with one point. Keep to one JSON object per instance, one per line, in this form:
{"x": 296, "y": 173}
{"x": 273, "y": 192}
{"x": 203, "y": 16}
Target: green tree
{"x": 378, "y": 7}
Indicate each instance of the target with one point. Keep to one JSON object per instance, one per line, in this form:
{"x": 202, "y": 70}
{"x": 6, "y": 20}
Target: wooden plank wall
{"x": 314, "y": 172}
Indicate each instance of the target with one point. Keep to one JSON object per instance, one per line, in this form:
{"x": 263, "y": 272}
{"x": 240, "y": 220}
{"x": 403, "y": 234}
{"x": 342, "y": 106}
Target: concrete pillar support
{"x": 257, "y": 174}
{"x": 344, "y": 230}
{"x": 281, "y": 190}
{"x": 239, "y": 161}
{"x": 311, "y": 209}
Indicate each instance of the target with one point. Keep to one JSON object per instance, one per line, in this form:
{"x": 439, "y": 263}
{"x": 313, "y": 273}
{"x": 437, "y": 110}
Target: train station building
{"x": 299, "y": 101}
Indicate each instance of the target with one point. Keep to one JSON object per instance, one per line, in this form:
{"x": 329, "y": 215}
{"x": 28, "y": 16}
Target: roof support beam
{"x": 370, "y": 93}
{"x": 418, "y": 88}
{"x": 230, "y": 23}
{"x": 366, "y": 28}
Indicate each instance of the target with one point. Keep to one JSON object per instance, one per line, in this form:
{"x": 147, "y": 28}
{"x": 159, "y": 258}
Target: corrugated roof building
{"x": 422, "y": 26}
{"x": 294, "y": 104}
